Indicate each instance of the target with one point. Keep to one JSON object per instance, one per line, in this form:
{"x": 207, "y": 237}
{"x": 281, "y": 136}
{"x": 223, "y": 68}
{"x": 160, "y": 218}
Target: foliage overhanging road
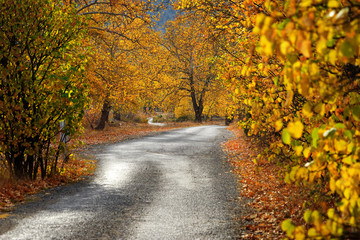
{"x": 175, "y": 185}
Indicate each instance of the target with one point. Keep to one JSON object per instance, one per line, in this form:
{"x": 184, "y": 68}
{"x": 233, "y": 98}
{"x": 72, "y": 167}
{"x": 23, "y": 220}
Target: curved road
{"x": 175, "y": 185}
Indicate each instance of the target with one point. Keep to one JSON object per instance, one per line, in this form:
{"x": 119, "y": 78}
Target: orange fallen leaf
{"x": 5, "y": 215}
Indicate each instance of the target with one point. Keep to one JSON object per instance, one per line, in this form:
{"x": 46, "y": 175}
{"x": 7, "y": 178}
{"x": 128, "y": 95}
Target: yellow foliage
{"x": 297, "y": 64}
{"x": 295, "y": 129}
{"x": 184, "y": 109}
{"x": 278, "y": 125}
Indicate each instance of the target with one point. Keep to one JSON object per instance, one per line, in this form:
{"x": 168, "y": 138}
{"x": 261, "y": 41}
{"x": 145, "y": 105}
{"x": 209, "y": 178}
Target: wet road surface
{"x": 175, "y": 185}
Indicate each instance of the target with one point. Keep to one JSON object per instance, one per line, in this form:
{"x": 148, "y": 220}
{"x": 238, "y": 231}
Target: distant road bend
{"x": 175, "y": 185}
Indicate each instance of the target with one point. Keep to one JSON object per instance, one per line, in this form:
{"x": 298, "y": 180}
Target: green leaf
{"x": 315, "y": 137}
{"x": 286, "y": 137}
{"x": 288, "y": 227}
{"x": 307, "y": 216}
{"x": 339, "y": 126}
{"x": 348, "y": 134}
{"x": 356, "y": 113}
{"x": 347, "y": 49}
{"x": 282, "y": 25}
{"x": 316, "y": 215}
{"x": 331, "y": 43}
{"x": 276, "y": 81}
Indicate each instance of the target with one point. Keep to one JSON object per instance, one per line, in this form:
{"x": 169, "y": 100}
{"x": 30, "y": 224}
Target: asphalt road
{"x": 174, "y": 185}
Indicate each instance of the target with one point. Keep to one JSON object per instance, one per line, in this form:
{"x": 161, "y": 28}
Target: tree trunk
{"x": 198, "y": 117}
{"x": 19, "y": 166}
{"x": 197, "y": 105}
{"x": 198, "y": 108}
{"x": 104, "y": 115}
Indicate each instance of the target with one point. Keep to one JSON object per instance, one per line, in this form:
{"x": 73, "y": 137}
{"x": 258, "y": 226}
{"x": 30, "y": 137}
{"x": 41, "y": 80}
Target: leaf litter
{"x": 272, "y": 201}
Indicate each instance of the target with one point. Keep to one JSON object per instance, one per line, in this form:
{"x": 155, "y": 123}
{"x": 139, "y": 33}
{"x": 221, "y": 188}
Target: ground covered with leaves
{"x": 77, "y": 168}
{"x": 122, "y": 131}
{"x": 272, "y": 201}
{"x": 14, "y": 192}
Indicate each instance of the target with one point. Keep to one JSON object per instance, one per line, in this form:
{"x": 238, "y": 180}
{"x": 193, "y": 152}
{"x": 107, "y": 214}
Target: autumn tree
{"x": 41, "y": 82}
{"x": 119, "y": 31}
{"x": 241, "y": 69}
{"x": 114, "y": 76}
{"x": 296, "y": 70}
{"x": 191, "y": 59}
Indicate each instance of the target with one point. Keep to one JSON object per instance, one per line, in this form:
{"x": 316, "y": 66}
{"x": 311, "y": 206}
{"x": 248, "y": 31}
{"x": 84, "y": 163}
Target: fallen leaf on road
{"x": 5, "y": 215}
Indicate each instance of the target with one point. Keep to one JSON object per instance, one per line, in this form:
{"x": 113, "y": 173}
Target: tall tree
{"x": 119, "y": 30}
{"x": 191, "y": 59}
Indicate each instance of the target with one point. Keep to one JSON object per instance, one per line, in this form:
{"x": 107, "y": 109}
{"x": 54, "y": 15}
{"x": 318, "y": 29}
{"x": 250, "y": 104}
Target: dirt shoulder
{"x": 271, "y": 200}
